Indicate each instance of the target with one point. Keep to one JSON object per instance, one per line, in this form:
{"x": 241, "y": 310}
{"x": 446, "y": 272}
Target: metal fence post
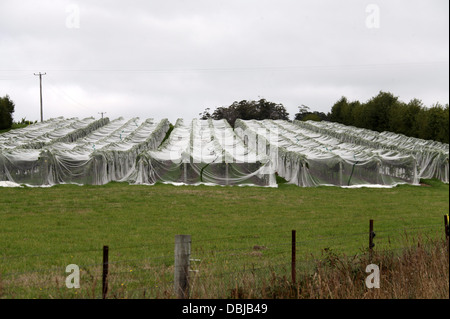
{"x": 105, "y": 272}
{"x": 293, "y": 272}
{"x": 371, "y": 236}
{"x": 446, "y": 226}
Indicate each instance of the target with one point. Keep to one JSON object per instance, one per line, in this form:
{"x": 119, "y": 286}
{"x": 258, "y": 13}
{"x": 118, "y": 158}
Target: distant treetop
{"x": 248, "y": 110}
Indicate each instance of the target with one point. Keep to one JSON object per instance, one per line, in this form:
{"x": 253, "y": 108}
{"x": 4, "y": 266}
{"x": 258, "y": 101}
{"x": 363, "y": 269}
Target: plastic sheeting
{"x": 431, "y": 156}
{"x": 76, "y": 151}
{"x": 89, "y": 151}
{"x": 308, "y": 158}
{"x": 203, "y": 152}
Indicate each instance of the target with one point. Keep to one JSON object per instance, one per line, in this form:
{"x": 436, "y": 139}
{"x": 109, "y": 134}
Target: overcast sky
{"x": 171, "y": 59}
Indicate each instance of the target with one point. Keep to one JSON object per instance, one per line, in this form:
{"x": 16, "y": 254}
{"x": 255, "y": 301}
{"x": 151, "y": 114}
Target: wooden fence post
{"x": 293, "y": 272}
{"x": 105, "y": 272}
{"x": 182, "y": 263}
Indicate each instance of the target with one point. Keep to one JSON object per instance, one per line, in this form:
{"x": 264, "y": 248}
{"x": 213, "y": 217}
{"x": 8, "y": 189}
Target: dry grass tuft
{"x": 420, "y": 271}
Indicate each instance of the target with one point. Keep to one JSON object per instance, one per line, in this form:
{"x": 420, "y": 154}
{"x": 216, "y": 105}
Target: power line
{"x": 60, "y": 92}
{"x": 250, "y": 68}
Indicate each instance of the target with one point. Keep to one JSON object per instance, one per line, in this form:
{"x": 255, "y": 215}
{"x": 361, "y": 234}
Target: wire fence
{"x": 216, "y": 264}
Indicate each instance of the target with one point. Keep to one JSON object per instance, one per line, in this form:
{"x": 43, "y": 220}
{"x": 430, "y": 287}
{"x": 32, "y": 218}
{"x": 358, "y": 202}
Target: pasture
{"x": 234, "y": 230}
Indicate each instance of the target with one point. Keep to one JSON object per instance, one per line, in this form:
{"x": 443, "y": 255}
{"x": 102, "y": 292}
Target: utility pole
{"x": 102, "y": 113}
{"x": 40, "y": 87}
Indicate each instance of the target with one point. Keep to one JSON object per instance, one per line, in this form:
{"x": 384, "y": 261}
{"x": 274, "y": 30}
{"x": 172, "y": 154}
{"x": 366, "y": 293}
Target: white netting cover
{"x": 431, "y": 156}
{"x": 306, "y": 157}
{"x": 203, "y": 152}
{"x": 90, "y": 151}
{"x": 76, "y": 151}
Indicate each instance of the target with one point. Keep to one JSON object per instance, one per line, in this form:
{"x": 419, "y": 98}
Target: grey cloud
{"x": 175, "y": 58}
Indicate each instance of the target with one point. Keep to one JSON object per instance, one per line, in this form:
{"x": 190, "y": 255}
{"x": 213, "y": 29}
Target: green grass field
{"x": 233, "y": 229}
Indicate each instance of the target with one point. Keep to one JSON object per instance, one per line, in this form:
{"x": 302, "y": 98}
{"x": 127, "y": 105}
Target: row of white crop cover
{"x": 432, "y": 157}
{"x": 84, "y": 151}
{"x": 324, "y": 153}
{"x": 309, "y": 153}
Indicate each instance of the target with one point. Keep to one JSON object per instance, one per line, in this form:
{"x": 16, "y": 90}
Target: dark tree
{"x": 377, "y": 111}
{"x": 305, "y": 114}
{"x": 6, "y": 111}
{"x": 248, "y": 110}
{"x": 205, "y": 115}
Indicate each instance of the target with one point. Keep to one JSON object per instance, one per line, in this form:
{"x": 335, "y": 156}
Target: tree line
{"x": 383, "y": 112}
